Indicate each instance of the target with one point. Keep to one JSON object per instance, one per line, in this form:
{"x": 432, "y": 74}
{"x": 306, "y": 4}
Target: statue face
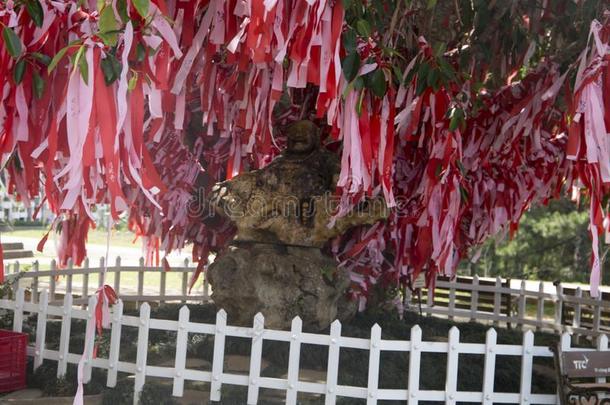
{"x": 302, "y": 138}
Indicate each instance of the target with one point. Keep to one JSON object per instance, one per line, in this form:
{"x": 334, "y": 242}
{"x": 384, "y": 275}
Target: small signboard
{"x": 586, "y": 364}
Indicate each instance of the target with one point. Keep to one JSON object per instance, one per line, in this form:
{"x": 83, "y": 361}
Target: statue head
{"x": 303, "y": 138}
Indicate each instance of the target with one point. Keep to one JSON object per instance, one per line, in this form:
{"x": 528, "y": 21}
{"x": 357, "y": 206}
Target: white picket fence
{"x": 292, "y": 385}
{"x": 61, "y": 281}
{"x": 467, "y": 298}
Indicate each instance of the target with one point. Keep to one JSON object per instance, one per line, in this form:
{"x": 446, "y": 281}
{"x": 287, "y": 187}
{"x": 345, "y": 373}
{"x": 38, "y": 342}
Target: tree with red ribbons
{"x": 461, "y": 114}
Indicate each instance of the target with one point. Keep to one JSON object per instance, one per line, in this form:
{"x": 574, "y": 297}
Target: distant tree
{"x": 552, "y": 243}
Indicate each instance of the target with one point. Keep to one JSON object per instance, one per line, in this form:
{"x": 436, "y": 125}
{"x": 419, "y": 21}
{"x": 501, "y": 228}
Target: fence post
{"x": 69, "y": 278}
{"x": 540, "y": 307}
{"x": 293, "y": 360}
{"x": 64, "y": 337}
{"x": 451, "y": 304}
{"x": 407, "y": 297}
{"x": 521, "y": 310}
{"x": 185, "y": 275}
{"x": 474, "y": 299}
{"x": 258, "y": 328}
{"x": 115, "y": 344}
{"x": 181, "y": 343}
{"x": 85, "y": 286}
{"x": 219, "y": 353}
{"x": 117, "y": 276}
{"x": 565, "y": 346}
{"x": 490, "y": 366}
{"x": 206, "y": 284}
{"x": 140, "y": 281}
{"x": 89, "y": 343}
{"x": 142, "y": 352}
{"x": 41, "y": 329}
{"x": 430, "y": 299}
{"x": 452, "y": 365}
{"x": 559, "y": 327}
{"x": 374, "y": 354}
{"x": 52, "y": 281}
{"x": 602, "y": 345}
{"x": 497, "y": 301}
{"x": 526, "y": 367}
{"x": 18, "y": 314}
{"x": 509, "y": 304}
{"x": 332, "y": 370}
{"x": 34, "y": 297}
{"x": 414, "y": 364}
{"x": 577, "y": 312}
{"x": 597, "y": 314}
{"x": 162, "y": 284}
{"x": 100, "y": 273}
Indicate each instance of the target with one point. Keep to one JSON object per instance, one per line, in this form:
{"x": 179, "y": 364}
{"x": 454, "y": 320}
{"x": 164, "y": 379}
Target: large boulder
{"x": 281, "y": 282}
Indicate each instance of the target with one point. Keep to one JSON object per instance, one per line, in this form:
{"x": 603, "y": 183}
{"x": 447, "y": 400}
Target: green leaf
{"x": 42, "y": 58}
{"x": 364, "y": 28}
{"x": 347, "y": 4}
{"x": 359, "y": 83}
{"x": 378, "y": 83}
{"x": 422, "y": 78}
{"x": 351, "y": 65}
{"x": 106, "y": 66}
{"x": 121, "y": 6}
{"x": 34, "y": 9}
{"x": 432, "y": 80}
{"x": 111, "y": 68}
{"x": 140, "y": 52}
{"x": 108, "y": 26}
{"x": 83, "y": 66}
{"x": 431, "y": 4}
{"x": 349, "y": 40}
{"x": 141, "y": 7}
{"x": 12, "y": 42}
{"x": 359, "y": 103}
{"x": 446, "y": 69}
{"x": 457, "y": 118}
{"x": 57, "y": 58}
{"x": 439, "y": 49}
{"x": 132, "y": 81}
{"x": 397, "y": 73}
{"x": 38, "y": 85}
{"x": 464, "y": 194}
{"x": 19, "y": 71}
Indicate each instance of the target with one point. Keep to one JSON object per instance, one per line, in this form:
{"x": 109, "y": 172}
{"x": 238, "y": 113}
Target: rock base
{"x": 281, "y": 282}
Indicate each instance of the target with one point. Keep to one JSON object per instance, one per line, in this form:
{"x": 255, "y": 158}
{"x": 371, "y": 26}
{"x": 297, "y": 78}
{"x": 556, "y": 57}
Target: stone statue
{"x": 282, "y": 213}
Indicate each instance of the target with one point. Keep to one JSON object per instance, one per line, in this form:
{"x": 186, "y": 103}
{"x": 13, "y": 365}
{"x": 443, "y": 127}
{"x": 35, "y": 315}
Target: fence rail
{"x": 570, "y": 310}
{"x": 296, "y": 338}
{"x": 59, "y": 282}
{"x": 567, "y": 309}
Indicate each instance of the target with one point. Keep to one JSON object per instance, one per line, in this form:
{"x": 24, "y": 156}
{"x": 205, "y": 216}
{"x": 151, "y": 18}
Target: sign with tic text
{"x": 586, "y": 364}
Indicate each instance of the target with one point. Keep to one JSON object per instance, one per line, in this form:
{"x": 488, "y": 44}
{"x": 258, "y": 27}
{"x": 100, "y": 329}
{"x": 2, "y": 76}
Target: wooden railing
{"x": 566, "y": 309}
{"x": 81, "y": 282}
